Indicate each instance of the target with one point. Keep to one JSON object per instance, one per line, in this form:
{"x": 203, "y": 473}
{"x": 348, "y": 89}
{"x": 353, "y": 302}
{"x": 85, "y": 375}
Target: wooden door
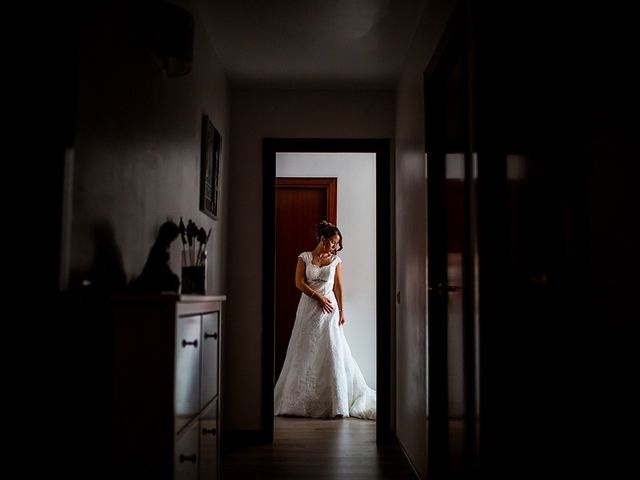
{"x": 512, "y": 134}
{"x": 300, "y": 204}
{"x": 451, "y": 252}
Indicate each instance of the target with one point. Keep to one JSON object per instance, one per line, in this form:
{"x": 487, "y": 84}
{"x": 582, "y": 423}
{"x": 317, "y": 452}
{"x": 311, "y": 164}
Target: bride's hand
{"x": 342, "y": 319}
{"x": 326, "y": 304}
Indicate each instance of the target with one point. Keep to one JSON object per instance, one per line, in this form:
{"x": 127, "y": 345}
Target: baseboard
{"x": 242, "y": 438}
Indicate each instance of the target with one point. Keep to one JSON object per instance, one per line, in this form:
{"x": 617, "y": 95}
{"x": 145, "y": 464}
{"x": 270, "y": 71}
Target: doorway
{"x": 348, "y": 200}
{"x": 383, "y": 255}
{"x": 301, "y": 202}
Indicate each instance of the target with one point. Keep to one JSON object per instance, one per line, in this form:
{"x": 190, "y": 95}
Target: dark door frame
{"x": 384, "y": 243}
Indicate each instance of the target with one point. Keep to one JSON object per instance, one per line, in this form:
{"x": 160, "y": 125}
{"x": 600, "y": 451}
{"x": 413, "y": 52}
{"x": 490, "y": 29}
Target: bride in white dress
{"x": 320, "y": 378}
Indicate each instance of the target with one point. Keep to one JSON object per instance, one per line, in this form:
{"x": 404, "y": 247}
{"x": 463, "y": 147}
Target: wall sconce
{"x": 167, "y": 31}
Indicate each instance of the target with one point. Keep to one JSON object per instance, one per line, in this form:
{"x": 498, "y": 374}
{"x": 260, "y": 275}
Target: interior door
{"x": 300, "y": 204}
{"x": 452, "y": 319}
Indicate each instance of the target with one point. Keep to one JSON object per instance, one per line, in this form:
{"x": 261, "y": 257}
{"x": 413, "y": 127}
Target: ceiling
{"x": 311, "y": 43}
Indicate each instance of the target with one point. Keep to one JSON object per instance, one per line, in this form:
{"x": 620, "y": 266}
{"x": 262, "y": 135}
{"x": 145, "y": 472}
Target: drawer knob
{"x": 213, "y": 335}
{"x": 190, "y": 458}
{"x": 194, "y": 343}
{"x": 209, "y": 431}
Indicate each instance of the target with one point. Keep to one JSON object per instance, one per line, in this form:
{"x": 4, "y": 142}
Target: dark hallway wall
{"x": 134, "y": 137}
{"x": 137, "y": 142}
{"x": 556, "y": 86}
{"x": 556, "y": 355}
{"x": 612, "y": 129}
{"x": 411, "y": 237}
{"x": 556, "y": 359}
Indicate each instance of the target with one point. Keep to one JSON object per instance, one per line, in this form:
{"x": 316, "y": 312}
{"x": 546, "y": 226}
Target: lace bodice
{"x": 320, "y": 278}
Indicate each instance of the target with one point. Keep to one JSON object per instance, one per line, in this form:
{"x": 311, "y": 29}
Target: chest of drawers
{"x": 166, "y": 386}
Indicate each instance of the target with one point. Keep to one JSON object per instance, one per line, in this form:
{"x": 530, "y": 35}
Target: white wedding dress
{"x": 319, "y": 377}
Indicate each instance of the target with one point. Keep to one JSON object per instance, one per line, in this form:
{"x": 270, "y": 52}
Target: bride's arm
{"x": 301, "y": 281}
{"x": 337, "y": 290}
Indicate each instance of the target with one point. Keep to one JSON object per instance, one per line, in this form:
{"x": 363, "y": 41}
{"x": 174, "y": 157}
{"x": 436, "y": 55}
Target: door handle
{"x": 451, "y": 288}
{"x": 443, "y": 288}
{"x": 541, "y": 279}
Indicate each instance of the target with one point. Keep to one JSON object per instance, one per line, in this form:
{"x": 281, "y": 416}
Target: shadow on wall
{"x": 107, "y": 274}
{"x": 107, "y": 271}
{"x": 156, "y": 275}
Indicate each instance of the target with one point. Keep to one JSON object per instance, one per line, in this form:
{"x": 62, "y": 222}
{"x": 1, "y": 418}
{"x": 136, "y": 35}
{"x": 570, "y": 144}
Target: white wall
{"x": 256, "y": 114}
{"x": 356, "y": 218}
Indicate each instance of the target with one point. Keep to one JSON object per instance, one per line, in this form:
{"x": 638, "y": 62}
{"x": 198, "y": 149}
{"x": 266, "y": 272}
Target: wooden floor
{"x": 318, "y": 449}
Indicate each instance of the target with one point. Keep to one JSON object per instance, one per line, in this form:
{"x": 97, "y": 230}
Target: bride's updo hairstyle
{"x": 328, "y": 230}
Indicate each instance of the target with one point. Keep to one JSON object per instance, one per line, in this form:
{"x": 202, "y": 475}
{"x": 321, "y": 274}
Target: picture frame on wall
{"x": 209, "y": 168}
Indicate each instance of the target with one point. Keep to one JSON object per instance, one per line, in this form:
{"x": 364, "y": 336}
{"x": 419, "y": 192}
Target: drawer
{"x": 210, "y": 342}
{"x": 187, "y": 370}
{"x": 209, "y": 433}
{"x": 186, "y": 457}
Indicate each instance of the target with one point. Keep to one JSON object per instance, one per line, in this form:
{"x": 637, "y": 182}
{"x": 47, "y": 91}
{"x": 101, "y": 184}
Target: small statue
{"x": 156, "y": 275}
